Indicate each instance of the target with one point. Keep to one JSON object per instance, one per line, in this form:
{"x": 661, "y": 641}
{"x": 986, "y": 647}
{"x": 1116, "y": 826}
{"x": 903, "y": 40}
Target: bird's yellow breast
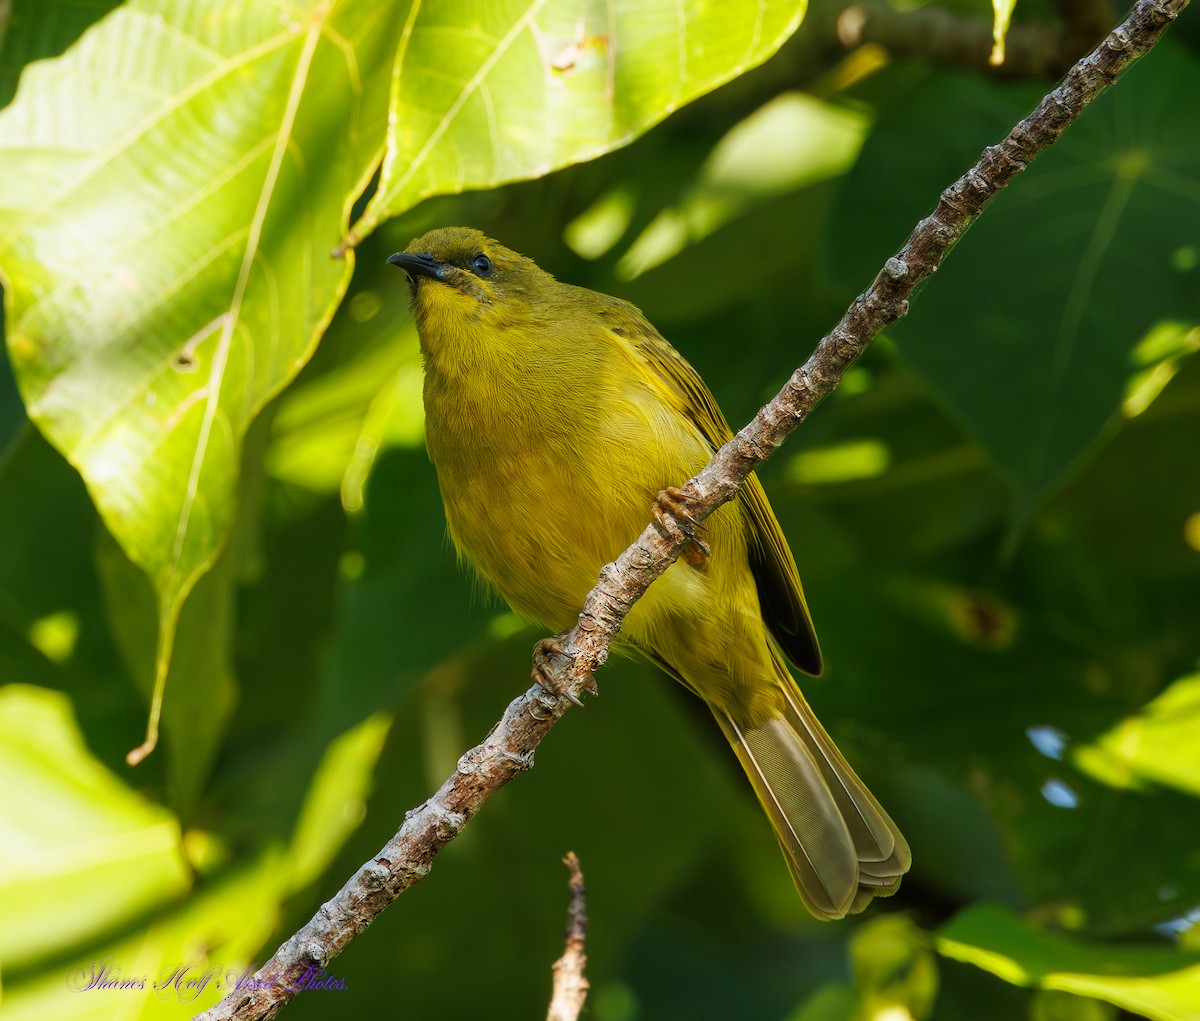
{"x": 547, "y": 475}
{"x": 552, "y": 436}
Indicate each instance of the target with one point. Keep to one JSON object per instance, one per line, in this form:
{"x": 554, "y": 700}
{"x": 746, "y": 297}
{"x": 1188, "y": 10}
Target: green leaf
{"x": 895, "y": 970}
{"x": 33, "y": 29}
{"x": 1030, "y": 329}
{"x": 79, "y": 851}
{"x": 789, "y": 143}
{"x": 1159, "y": 982}
{"x": 1002, "y": 11}
{"x": 1141, "y": 498}
{"x": 181, "y": 963}
{"x": 490, "y": 93}
{"x": 174, "y": 186}
{"x": 1157, "y": 745}
{"x": 1055, "y": 1005}
{"x": 833, "y": 1002}
{"x": 194, "y": 718}
{"x": 336, "y": 802}
{"x": 93, "y": 875}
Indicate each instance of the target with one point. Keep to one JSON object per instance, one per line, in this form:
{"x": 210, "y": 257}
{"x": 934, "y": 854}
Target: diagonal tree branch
{"x": 509, "y": 748}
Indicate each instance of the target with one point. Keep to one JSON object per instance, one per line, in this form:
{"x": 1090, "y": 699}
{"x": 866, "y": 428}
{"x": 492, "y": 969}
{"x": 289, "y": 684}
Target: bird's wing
{"x": 779, "y": 591}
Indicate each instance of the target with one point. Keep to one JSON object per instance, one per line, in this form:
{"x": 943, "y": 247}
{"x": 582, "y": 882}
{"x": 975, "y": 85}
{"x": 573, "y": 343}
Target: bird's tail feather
{"x": 841, "y": 846}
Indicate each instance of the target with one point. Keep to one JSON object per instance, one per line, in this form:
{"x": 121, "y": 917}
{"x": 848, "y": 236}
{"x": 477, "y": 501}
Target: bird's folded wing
{"x": 779, "y": 590}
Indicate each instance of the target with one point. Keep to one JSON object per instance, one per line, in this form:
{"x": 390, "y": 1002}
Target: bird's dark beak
{"x": 419, "y": 264}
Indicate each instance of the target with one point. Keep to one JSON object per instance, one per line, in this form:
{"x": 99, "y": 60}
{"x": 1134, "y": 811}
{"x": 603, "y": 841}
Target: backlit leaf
{"x": 1158, "y": 982}
{"x": 490, "y": 93}
{"x": 173, "y": 187}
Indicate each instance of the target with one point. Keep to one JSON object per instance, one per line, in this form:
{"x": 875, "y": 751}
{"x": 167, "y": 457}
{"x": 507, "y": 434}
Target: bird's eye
{"x": 482, "y": 266}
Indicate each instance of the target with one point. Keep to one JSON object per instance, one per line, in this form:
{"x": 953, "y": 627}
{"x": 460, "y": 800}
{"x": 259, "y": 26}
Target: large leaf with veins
{"x": 173, "y": 187}
{"x": 489, "y": 93}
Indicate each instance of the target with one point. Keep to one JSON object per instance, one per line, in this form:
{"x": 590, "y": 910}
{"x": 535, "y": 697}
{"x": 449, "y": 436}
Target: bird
{"x": 559, "y": 421}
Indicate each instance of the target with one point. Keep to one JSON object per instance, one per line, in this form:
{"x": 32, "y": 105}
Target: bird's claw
{"x": 544, "y": 674}
{"x": 674, "y": 502}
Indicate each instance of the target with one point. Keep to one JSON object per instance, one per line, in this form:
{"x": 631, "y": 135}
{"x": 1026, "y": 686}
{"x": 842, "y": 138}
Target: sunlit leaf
{"x": 1055, "y": 1005}
{"x": 173, "y": 187}
{"x": 1159, "y": 982}
{"x": 33, "y": 29}
{"x": 80, "y": 854}
{"x": 489, "y": 93}
{"x": 1158, "y": 745}
{"x": 792, "y": 141}
{"x": 79, "y": 851}
{"x": 1002, "y": 11}
{"x": 834, "y": 1002}
{"x": 186, "y": 960}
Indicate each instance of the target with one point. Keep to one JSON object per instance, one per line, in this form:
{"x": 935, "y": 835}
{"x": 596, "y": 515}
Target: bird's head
{"x": 462, "y": 275}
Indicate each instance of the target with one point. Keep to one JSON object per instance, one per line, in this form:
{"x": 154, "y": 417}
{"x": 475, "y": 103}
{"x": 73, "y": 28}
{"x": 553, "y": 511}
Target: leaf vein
{"x": 521, "y": 25}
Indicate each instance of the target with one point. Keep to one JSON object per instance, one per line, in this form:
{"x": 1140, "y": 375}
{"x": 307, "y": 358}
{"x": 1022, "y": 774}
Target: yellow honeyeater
{"x": 555, "y": 416}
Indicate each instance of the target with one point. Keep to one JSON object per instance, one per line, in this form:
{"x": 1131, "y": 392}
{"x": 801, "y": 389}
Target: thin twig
{"x": 570, "y": 983}
{"x": 951, "y": 39}
{"x": 508, "y": 749}
{"x": 1033, "y": 50}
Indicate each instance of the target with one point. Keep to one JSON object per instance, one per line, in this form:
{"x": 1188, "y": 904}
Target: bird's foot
{"x": 544, "y": 654}
{"x": 673, "y": 501}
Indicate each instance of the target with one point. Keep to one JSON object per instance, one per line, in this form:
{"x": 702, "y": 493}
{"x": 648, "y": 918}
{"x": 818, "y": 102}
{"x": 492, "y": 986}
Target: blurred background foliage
{"x": 997, "y": 517}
